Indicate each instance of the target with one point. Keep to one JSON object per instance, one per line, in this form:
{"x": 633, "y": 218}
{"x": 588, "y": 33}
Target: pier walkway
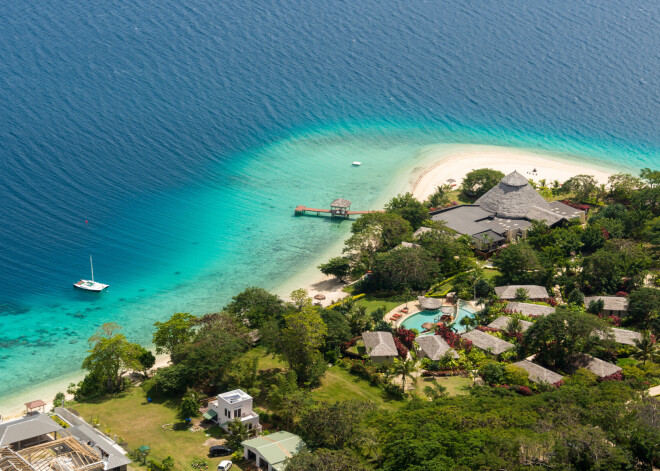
{"x": 303, "y": 210}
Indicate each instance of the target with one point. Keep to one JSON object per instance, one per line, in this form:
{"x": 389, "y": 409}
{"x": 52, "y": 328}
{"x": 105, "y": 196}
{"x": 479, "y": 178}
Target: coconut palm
{"x": 404, "y": 368}
{"x": 647, "y": 348}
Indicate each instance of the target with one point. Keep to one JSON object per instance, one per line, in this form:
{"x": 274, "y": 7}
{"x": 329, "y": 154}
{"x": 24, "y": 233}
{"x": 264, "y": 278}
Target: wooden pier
{"x": 303, "y": 210}
{"x": 338, "y": 208}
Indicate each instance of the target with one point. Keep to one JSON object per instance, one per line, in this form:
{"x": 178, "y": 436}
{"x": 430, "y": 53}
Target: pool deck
{"x": 414, "y": 308}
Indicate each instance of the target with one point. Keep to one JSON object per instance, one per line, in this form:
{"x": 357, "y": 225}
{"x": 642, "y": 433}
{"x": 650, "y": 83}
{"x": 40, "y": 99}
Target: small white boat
{"x": 90, "y": 285}
{"x": 357, "y": 164}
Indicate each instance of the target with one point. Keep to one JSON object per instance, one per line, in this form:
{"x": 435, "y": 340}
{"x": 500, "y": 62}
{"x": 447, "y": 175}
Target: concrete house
{"x": 271, "y": 451}
{"x": 231, "y": 405}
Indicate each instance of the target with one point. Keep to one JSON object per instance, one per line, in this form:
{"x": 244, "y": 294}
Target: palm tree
{"x": 405, "y": 368}
{"x": 647, "y": 348}
{"x": 357, "y": 319}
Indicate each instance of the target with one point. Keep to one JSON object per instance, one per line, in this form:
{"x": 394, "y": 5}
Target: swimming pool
{"x": 416, "y": 320}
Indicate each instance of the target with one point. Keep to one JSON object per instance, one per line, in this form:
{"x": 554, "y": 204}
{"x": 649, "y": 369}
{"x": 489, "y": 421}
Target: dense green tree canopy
{"x": 326, "y": 460}
{"x": 478, "y": 182}
{"x": 520, "y": 264}
{"x": 405, "y": 267}
{"x": 256, "y": 305}
{"x": 300, "y": 341}
{"x": 644, "y": 309}
{"x": 173, "y": 332}
{"x": 409, "y": 208}
{"x": 558, "y": 337}
{"x": 336, "y": 266}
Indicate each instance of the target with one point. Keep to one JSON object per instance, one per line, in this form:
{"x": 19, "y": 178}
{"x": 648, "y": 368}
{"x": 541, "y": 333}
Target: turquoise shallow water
{"x": 186, "y": 132}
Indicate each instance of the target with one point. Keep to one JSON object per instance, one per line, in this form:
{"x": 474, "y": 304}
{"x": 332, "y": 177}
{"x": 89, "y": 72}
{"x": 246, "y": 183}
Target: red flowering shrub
{"x": 444, "y": 373}
{"x": 621, "y": 294}
{"x": 400, "y": 348}
{"x": 618, "y": 376}
{"x": 612, "y": 319}
{"x": 351, "y": 343}
{"x": 485, "y": 328}
{"x": 524, "y": 390}
{"x": 406, "y": 336}
{"x": 558, "y": 384}
{"x": 452, "y": 338}
{"x": 581, "y": 207}
{"x": 551, "y": 301}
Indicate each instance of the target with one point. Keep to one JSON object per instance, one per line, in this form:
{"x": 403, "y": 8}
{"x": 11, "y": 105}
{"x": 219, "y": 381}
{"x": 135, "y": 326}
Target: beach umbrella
{"x": 320, "y": 297}
{"x": 451, "y": 180}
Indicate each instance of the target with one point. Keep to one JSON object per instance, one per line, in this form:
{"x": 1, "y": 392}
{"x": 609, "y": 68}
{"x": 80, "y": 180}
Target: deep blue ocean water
{"x": 186, "y": 132}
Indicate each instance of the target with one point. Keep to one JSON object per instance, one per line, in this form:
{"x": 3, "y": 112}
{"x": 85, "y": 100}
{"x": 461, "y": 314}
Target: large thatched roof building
{"x": 429, "y": 304}
{"x": 505, "y": 212}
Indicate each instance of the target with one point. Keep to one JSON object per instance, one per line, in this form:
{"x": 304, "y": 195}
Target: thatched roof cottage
{"x": 611, "y": 304}
{"x": 502, "y": 323}
{"x": 487, "y": 342}
{"x": 538, "y": 374}
{"x": 533, "y": 291}
{"x": 528, "y": 309}
{"x": 379, "y": 346}
{"x": 434, "y": 347}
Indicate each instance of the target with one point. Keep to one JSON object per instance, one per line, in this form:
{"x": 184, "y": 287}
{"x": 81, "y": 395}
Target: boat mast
{"x": 91, "y": 265}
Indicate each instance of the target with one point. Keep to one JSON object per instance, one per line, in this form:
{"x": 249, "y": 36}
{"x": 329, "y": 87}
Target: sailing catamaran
{"x": 90, "y": 285}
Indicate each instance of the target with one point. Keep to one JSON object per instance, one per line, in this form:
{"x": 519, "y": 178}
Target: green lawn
{"x": 490, "y": 273}
{"x": 138, "y": 423}
{"x": 372, "y": 303}
{"x": 340, "y": 385}
{"x": 456, "y": 385}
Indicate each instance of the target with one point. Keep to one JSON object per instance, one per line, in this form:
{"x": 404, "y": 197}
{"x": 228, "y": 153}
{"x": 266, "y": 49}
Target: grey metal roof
{"x": 528, "y": 309}
{"x": 611, "y": 303}
{"x": 379, "y": 344}
{"x": 596, "y": 365}
{"x": 533, "y": 291}
{"x": 485, "y": 341}
{"x": 502, "y": 323}
{"x": 340, "y": 203}
{"x": 537, "y": 213}
{"x": 27, "y": 427}
{"x": 429, "y": 304}
{"x": 464, "y": 218}
{"x": 564, "y": 210}
{"x": 434, "y": 347}
{"x": 512, "y": 198}
{"x": 492, "y": 235}
{"x": 537, "y": 373}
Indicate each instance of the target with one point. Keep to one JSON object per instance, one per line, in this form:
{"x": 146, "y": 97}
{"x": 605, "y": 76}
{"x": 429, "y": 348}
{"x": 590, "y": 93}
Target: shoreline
{"x": 430, "y": 167}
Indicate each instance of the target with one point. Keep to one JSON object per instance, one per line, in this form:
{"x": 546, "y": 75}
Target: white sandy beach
{"x": 433, "y": 166}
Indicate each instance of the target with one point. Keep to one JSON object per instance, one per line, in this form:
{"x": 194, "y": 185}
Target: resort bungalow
{"x": 271, "y": 451}
{"x": 538, "y": 374}
{"x": 406, "y": 245}
{"x": 527, "y": 309}
{"x": 379, "y": 346}
{"x": 486, "y": 342}
{"x": 113, "y": 456}
{"x": 534, "y": 292}
{"x": 28, "y": 431}
{"x": 597, "y": 366}
{"x": 612, "y": 305}
{"x": 502, "y": 323}
{"x": 236, "y": 404}
{"x": 504, "y": 213}
{"x": 434, "y": 347}
{"x": 626, "y": 337}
